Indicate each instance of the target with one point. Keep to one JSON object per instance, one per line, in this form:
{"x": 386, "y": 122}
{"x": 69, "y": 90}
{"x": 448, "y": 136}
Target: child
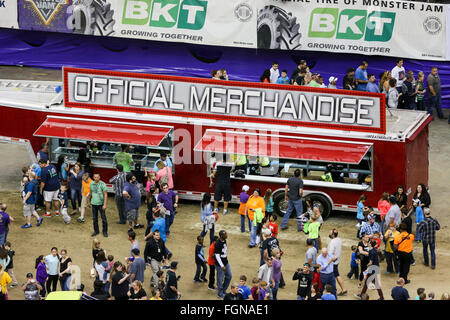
{"x": 328, "y": 293}
{"x": 9, "y": 267}
{"x": 273, "y": 226}
{"x": 85, "y": 190}
{"x": 377, "y": 238}
{"x": 419, "y": 292}
{"x": 243, "y": 198}
{"x": 211, "y": 264}
{"x": 64, "y": 200}
{"x": 312, "y": 229}
{"x": 200, "y": 262}
{"x": 110, "y": 263}
{"x": 156, "y": 294}
{"x": 431, "y": 296}
{"x": 255, "y": 289}
{"x": 419, "y": 217}
{"x": 316, "y": 276}
{"x": 269, "y": 203}
{"x": 304, "y": 218}
{"x": 151, "y": 182}
{"x": 360, "y": 213}
{"x": 263, "y": 291}
{"x": 29, "y": 199}
{"x": 243, "y": 289}
{"x": 354, "y": 264}
{"x": 161, "y": 283}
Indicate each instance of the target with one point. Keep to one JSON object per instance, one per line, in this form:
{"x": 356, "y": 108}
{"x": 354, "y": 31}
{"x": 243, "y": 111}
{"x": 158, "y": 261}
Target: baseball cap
{"x": 267, "y": 232}
{"x": 370, "y": 217}
{"x": 42, "y": 161}
{"x": 306, "y": 265}
{"x": 332, "y": 79}
{"x": 245, "y": 188}
{"x": 173, "y": 264}
{"x": 315, "y": 74}
{"x": 29, "y": 275}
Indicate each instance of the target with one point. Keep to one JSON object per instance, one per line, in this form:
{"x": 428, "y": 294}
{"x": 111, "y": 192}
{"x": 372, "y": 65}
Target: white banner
{"x": 371, "y": 27}
{"x": 210, "y": 22}
{"x": 8, "y": 14}
{"x": 225, "y": 100}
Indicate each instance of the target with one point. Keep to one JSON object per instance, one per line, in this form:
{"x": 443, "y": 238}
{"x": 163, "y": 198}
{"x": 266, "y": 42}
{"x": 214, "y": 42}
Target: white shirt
{"x": 397, "y": 73}
{"x": 265, "y": 273}
{"x": 274, "y": 75}
{"x": 393, "y": 98}
{"x": 335, "y": 249}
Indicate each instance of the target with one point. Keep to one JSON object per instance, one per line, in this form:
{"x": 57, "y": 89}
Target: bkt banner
{"x": 370, "y": 27}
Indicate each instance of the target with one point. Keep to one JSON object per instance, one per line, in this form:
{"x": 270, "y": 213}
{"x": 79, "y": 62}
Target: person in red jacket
{"x": 211, "y": 262}
{"x": 316, "y": 276}
{"x": 273, "y": 226}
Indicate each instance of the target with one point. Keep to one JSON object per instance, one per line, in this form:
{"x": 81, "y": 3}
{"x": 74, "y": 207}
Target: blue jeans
{"x": 275, "y": 290}
{"x": 169, "y": 221}
{"x": 391, "y": 261}
{"x": 211, "y": 233}
{"x": 328, "y": 278}
{"x": 300, "y": 298}
{"x": 425, "y": 252}
{"x": 95, "y": 210}
{"x": 223, "y": 279}
{"x": 75, "y": 197}
{"x": 252, "y": 234}
{"x": 243, "y": 223}
{"x": 2, "y": 238}
{"x": 435, "y": 102}
{"x": 298, "y": 205}
{"x": 107, "y": 285}
{"x": 65, "y": 283}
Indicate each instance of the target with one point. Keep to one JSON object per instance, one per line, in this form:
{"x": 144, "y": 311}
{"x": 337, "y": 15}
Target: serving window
{"x": 103, "y": 139}
{"x": 328, "y": 162}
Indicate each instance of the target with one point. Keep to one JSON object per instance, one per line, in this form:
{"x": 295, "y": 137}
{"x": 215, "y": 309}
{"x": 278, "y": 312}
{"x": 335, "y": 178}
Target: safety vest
{"x": 264, "y": 161}
{"x": 241, "y": 160}
{"x": 327, "y": 177}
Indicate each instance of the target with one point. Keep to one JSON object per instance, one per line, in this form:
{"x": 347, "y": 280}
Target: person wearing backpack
{"x": 403, "y": 246}
{"x": 164, "y": 175}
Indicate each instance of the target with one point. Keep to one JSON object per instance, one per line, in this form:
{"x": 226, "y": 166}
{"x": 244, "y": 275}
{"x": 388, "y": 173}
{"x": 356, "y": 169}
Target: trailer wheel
{"x": 280, "y": 205}
{"x": 323, "y": 203}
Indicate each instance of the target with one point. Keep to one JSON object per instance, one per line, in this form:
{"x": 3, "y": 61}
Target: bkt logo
{"x": 351, "y": 24}
{"x": 186, "y": 14}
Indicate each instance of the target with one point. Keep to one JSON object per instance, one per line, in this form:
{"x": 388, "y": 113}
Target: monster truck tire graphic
{"x": 93, "y": 17}
{"x": 277, "y": 29}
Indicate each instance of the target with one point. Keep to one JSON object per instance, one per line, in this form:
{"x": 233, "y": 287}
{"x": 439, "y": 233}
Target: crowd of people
{"x": 384, "y": 234}
{"x": 400, "y": 87}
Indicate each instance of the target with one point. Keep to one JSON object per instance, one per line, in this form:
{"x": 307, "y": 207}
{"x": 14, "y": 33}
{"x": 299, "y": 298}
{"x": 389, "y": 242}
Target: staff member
{"x": 221, "y": 173}
{"x": 404, "y": 243}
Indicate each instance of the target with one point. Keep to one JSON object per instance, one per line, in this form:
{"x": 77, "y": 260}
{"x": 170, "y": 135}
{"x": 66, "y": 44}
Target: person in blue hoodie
{"x": 283, "y": 79}
{"x": 418, "y": 212}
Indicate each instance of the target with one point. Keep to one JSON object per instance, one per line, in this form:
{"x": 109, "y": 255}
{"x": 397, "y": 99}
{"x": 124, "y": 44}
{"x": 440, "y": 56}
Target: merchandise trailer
{"x": 345, "y": 143}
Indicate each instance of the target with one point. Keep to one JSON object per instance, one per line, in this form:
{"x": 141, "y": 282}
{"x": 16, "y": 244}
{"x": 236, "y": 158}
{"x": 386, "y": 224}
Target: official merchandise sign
{"x": 225, "y": 100}
{"x": 371, "y": 27}
{"x": 8, "y": 14}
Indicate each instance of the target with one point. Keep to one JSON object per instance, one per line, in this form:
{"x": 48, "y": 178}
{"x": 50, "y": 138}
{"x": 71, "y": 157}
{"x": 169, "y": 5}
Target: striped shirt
{"x": 369, "y": 229}
{"x": 428, "y": 228}
{"x": 118, "y": 181}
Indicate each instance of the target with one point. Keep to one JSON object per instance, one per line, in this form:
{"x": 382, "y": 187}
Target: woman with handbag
{"x": 255, "y": 202}
{"x": 65, "y": 270}
{"x": 164, "y": 175}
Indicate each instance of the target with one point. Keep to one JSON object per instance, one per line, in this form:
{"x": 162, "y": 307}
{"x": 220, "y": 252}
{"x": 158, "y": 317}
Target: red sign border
{"x": 381, "y": 129}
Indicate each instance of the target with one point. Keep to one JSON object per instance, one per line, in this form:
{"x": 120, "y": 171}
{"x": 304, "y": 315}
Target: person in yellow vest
{"x": 254, "y": 202}
{"x": 240, "y": 161}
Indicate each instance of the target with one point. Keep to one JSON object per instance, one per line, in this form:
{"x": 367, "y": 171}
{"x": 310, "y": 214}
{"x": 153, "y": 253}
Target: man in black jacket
{"x": 304, "y": 278}
{"x": 234, "y": 294}
{"x": 155, "y": 254}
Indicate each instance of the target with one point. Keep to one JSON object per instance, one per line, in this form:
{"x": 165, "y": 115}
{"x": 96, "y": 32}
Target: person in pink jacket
{"x": 383, "y": 208}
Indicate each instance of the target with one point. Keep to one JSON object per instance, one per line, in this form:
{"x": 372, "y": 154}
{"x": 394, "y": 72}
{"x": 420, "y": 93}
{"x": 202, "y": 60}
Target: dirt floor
{"x": 75, "y": 237}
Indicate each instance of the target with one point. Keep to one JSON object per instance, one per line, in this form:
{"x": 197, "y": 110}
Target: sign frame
{"x": 300, "y": 123}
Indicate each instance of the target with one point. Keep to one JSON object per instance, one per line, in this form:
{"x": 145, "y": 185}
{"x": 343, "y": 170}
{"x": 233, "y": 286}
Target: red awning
{"x": 103, "y": 131}
{"x": 282, "y": 147}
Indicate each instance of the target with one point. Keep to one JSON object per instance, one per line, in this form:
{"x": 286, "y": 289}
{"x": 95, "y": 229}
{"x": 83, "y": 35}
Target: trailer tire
{"x": 323, "y": 203}
{"x": 278, "y": 29}
{"x": 280, "y": 205}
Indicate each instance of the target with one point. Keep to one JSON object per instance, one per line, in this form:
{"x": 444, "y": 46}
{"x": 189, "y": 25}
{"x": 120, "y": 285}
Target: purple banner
{"x": 44, "y": 15}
